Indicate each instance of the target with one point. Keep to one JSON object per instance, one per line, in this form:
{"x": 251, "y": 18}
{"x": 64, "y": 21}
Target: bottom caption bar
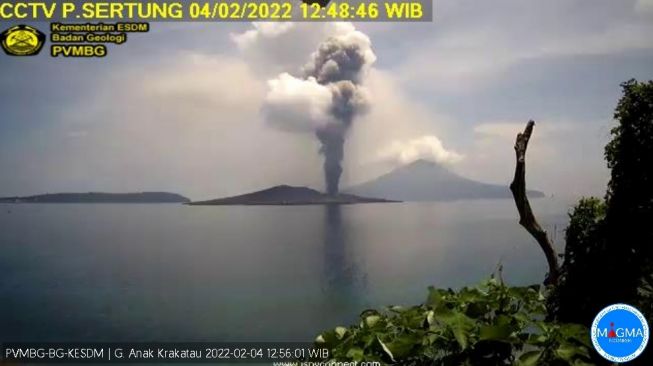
{"x": 245, "y": 352}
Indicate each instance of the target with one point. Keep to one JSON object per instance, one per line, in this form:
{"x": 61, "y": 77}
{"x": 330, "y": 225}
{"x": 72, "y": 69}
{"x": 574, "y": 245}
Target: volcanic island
{"x": 289, "y": 195}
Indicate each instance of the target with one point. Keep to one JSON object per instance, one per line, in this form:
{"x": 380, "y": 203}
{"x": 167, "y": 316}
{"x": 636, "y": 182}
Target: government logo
{"x": 22, "y": 40}
{"x": 620, "y": 333}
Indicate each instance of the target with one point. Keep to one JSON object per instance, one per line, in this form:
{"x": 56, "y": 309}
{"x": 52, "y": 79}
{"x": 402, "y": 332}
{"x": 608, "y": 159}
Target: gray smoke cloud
{"x": 327, "y": 97}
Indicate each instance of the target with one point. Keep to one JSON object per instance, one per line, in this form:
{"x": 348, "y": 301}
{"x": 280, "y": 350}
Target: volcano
{"x": 289, "y": 195}
{"x": 423, "y": 180}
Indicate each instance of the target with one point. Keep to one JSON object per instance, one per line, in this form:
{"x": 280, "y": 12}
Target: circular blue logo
{"x": 620, "y": 333}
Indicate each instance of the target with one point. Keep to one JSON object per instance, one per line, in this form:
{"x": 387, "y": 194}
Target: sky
{"x": 180, "y": 108}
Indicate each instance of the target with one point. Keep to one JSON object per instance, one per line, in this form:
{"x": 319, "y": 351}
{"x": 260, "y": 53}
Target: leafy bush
{"x": 575, "y": 297}
{"x": 609, "y": 244}
{"x": 491, "y": 324}
{"x": 629, "y": 212}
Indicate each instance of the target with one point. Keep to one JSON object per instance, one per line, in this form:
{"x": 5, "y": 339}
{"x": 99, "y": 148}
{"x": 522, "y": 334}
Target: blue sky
{"x": 179, "y": 108}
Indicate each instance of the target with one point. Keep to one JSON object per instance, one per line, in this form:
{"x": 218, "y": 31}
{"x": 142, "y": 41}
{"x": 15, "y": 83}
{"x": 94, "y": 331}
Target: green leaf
{"x": 372, "y": 320}
{"x": 386, "y": 349}
{"x": 576, "y": 332}
{"x": 430, "y": 317}
{"x": 397, "y": 309}
{"x": 493, "y": 320}
{"x": 461, "y": 337}
{"x": 537, "y": 339}
{"x": 436, "y": 296}
{"x": 493, "y": 282}
{"x": 413, "y": 318}
{"x": 495, "y": 333}
{"x": 329, "y": 339}
{"x": 565, "y": 352}
{"x": 529, "y": 358}
{"x": 459, "y": 324}
{"x": 356, "y": 354}
{"x": 568, "y": 352}
{"x": 402, "y": 346}
{"x": 468, "y": 295}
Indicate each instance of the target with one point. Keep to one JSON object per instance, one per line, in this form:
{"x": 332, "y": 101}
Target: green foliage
{"x": 573, "y": 299}
{"x": 584, "y": 220}
{"x": 609, "y": 248}
{"x": 630, "y": 153}
{"x": 491, "y": 324}
{"x": 630, "y": 192}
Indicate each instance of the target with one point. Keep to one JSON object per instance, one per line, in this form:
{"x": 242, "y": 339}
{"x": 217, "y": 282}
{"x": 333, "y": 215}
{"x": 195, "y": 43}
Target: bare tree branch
{"x": 526, "y": 217}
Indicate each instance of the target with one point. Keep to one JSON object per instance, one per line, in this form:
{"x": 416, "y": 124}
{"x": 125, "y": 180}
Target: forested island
{"x": 97, "y": 197}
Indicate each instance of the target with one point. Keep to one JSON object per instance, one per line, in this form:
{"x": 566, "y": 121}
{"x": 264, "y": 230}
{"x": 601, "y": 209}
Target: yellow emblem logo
{"x": 22, "y": 40}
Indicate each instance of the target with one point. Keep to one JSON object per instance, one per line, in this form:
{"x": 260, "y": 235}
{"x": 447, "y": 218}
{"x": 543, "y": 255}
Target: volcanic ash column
{"x": 326, "y": 98}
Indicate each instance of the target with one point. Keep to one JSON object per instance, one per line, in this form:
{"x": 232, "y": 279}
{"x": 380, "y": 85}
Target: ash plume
{"x": 330, "y": 91}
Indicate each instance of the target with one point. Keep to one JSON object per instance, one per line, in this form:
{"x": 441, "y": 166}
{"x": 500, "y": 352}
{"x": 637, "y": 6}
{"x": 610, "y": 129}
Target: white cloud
{"x": 297, "y": 105}
{"x": 465, "y": 56}
{"x": 394, "y": 116}
{"x": 264, "y": 32}
{"x": 330, "y": 81}
{"x": 272, "y": 48}
{"x": 260, "y": 30}
{"x": 424, "y": 147}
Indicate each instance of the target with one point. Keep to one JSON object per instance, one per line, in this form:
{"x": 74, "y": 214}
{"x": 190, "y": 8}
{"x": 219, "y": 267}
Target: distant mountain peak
{"x": 423, "y": 164}
{"x": 425, "y": 180}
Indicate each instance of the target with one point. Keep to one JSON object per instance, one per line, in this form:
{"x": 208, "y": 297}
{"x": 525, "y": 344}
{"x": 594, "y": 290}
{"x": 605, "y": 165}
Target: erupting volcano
{"x": 326, "y": 98}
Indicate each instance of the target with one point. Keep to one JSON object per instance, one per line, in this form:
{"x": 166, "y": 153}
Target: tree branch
{"x": 526, "y": 217}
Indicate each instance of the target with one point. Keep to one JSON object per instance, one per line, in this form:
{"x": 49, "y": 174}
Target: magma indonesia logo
{"x": 22, "y": 40}
{"x": 620, "y": 333}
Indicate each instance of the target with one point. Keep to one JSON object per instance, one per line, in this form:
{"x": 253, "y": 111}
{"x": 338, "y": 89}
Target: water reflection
{"x": 172, "y": 272}
{"x": 344, "y": 284}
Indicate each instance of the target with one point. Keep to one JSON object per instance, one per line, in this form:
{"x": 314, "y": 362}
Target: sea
{"x": 177, "y": 273}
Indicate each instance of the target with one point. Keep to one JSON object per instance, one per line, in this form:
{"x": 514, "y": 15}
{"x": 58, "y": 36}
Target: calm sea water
{"x": 177, "y": 273}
